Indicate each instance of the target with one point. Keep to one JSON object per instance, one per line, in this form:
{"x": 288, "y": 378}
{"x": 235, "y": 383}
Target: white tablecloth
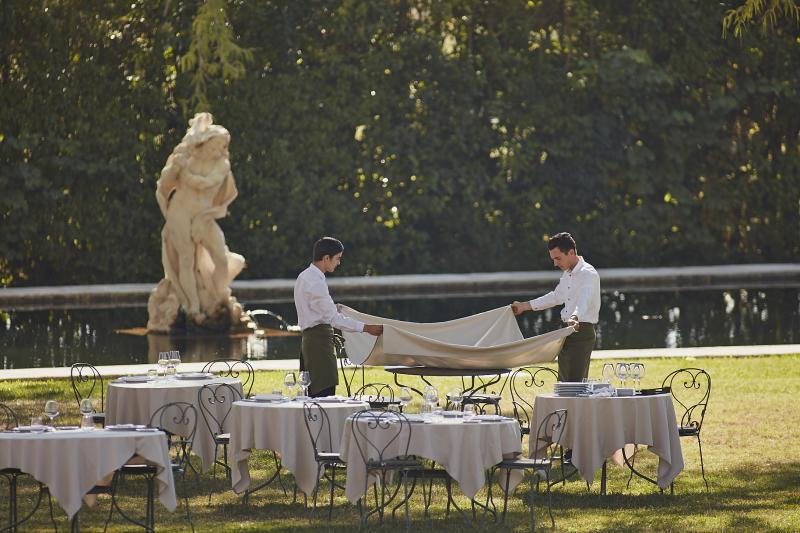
{"x": 280, "y": 427}
{"x": 135, "y": 403}
{"x": 597, "y": 428}
{"x": 70, "y": 463}
{"x": 465, "y": 450}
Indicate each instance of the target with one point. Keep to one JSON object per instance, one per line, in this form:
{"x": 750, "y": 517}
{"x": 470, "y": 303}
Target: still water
{"x": 667, "y": 319}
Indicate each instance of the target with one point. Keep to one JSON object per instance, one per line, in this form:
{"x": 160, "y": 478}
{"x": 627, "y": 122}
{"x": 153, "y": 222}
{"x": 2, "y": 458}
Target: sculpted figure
{"x": 194, "y": 190}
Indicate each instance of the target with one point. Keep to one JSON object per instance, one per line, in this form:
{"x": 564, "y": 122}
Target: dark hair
{"x": 327, "y": 246}
{"x": 563, "y": 241}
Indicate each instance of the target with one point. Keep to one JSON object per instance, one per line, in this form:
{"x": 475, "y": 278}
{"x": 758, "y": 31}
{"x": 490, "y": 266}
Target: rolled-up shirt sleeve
{"x": 321, "y": 302}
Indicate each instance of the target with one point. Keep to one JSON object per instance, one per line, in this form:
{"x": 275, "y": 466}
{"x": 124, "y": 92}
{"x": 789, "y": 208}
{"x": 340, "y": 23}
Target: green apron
{"x": 319, "y": 357}
{"x": 573, "y": 360}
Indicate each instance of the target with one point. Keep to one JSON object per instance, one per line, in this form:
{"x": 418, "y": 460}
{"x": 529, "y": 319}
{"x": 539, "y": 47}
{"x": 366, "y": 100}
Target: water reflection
{"x": 627, "y": 320}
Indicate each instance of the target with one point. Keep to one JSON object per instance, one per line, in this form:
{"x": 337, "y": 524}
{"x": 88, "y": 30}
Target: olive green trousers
{"x": 573, "y": 360}
{"x": 319, "y": 357}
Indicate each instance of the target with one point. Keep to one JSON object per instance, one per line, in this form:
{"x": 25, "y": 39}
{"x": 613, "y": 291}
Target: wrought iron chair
{"x": 318, "y": 425}
{"x": 216, "y": 401}
{"x": 481, "y": 400}
{"x": 383, "y": 439}
{"x": 347, "y": 368}
{"x": 548, "y": 435}
{"x": 524, "y": 384}
{"x": 690, "y": 389}
{"x": 86, "y": 382}
{"x": 233, "y": 368}
{"x": 378, "y": 395}
{"x": 179, "y": 421}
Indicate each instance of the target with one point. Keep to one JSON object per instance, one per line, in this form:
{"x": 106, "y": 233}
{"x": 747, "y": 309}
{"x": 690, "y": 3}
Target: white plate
{"x": 125, "y": 427}
{"x": 194, "y": 375}
{"x": 489, "y": 418}
{"x": 134, "y": 379}
{"x": 267, "y": 397}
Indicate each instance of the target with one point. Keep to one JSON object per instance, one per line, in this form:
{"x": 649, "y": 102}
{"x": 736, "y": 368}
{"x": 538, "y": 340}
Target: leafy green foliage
{"x": 444, "y": 136}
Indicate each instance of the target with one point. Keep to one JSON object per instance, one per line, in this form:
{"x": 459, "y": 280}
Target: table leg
{"x": 410, "y": 387}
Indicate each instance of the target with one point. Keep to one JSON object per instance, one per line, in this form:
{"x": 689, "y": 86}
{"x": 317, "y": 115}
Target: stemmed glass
{"x": 291, "y": 382}
{"x": 608, "y": 372}
{"x": 87, "y": 414}
{"x": 175, "y": 360}
{"x": 637, "y": 373}
{"x": 51, "y": 410}
{"x": 456, "y": 396}
{"x": 305, "y": 381}
{"x": 405, "y": 397}
{"x": 622, "y": 373}
{"x": 431, "y": 397}
{"x": 163, "y": 360}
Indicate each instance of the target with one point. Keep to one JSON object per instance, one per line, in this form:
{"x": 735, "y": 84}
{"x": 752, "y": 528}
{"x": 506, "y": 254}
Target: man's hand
{"x": 520, "y": 307}
{"x": 373, "y": 329}
{"x": 573, "y": 321}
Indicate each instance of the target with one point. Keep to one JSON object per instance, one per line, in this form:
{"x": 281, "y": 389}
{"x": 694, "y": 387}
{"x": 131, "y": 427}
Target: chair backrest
{"x": 550, "y": 432}
{"x": 216, "y": 401}
{"x": 347, "y": 368}
{"x": 524, "y": 384}
{"x": 690, "y": 389}
{"x": 377, "y": 394}
{"x": 381, "y": 435}
{"x": 177, "y": 419}
{"x": 233, "y": 368}
{"x": 318, "y": 425}
{"x": 8, "y": 418}
{"x": 86, "y": 382}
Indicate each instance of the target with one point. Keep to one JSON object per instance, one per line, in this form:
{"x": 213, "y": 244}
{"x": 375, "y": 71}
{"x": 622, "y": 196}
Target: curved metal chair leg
{"x": 533, "y": 520}
{"x": 550, "y": 500}
{"x": 505, "y": 496}
{"x": 333, "y": 484}
{"x": 633, "y": 463}
{"x": 702, "y": 468}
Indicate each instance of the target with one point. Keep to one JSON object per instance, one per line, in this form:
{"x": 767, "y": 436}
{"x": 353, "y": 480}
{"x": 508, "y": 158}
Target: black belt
{"x": 564, "y": 324}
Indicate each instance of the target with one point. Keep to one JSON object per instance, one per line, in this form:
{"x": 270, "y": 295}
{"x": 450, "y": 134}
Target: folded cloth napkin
{"x": 602, "y": 393}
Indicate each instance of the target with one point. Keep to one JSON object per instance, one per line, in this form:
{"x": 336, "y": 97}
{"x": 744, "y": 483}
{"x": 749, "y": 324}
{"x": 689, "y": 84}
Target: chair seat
{"x": 138, "y": 469}
{"x": 223, "y": 438}
{"x": 99, "y": 418}
{"x": 688, "y": 431}
{"x": 329, "y": 457}
{"x": 524, "y": 462}
{"x": 481, "y": 398}
{"x": 395, "y": 464}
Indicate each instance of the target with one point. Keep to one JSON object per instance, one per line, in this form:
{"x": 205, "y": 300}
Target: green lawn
{"x": 751, "y": 446}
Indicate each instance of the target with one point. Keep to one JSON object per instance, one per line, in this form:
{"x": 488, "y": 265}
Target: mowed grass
{"x": 751, "y": 447}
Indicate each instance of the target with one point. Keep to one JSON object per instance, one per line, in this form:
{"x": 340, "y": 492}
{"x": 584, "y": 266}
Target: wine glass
{"x": 86, "y": 407}
{"x": 622, "y": 373}
{"x": 163, "y": 360}
{"x": 456, "y": 396}
{"x": 305, "y": 381}
{"x": 175, "y": 360}
{"x": 291, "y": 382}
{"x": 51, "y": 410}
{"x": 608, "y": 372}
{"x": 405, "y": 397}
{"x": 641, "y": 372}
{"x": 636, "y": 374}
{"x": 431, "y": 397}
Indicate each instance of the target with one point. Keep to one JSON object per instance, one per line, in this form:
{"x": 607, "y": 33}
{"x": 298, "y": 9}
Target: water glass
{"x": 163, "y": 360}
{"x": 152, "y": 373}
{"x": 290, "y": 381}
{"x": 87, "y": 422}
{"x": 469, "y": 411}
{"x": 437, "y": 415}
{"x": 622, "y": 373}
{"x": 405, "y": 397}
{"x": 608, "y": 372}
{"x": 36, "y": 424}
{"x": 305, "y": 381}
{"x": 431, "y": 396}
{"x": 456, "y": 396}
{"x": 175, "y": 360}
{"x": 51, "y": 410}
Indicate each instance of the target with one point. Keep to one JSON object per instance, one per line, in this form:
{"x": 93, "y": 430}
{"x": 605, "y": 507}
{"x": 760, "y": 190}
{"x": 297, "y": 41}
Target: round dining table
{"x": 134, "y": 402}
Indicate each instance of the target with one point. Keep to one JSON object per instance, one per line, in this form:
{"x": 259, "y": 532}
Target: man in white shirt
{"x": 579, "y": 292}
{"x": 317, "y": 316}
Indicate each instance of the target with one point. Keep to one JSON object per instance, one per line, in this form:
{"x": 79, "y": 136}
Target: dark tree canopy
{"x": 429, "y": 136}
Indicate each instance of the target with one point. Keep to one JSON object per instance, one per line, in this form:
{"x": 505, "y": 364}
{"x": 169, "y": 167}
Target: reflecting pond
{"x": 60, "y": 337}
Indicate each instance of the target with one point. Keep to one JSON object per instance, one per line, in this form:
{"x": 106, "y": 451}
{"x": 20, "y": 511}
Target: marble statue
{"x": 195, "y": 189}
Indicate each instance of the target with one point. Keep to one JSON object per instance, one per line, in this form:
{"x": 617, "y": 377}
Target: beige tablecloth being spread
{"x": 280, "y": 427}
{"x": 487, "y": 340}
{"x": 135, "y": 403}
{"x": 597, "y": 428}
{"x": 70, "y": 463}
{"x": 465, "y": 450}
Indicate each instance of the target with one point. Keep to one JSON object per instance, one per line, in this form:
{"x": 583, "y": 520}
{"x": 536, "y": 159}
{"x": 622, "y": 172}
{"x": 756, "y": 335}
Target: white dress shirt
{"x": 315, "y": 305}
{"x": 579, "y": 291}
